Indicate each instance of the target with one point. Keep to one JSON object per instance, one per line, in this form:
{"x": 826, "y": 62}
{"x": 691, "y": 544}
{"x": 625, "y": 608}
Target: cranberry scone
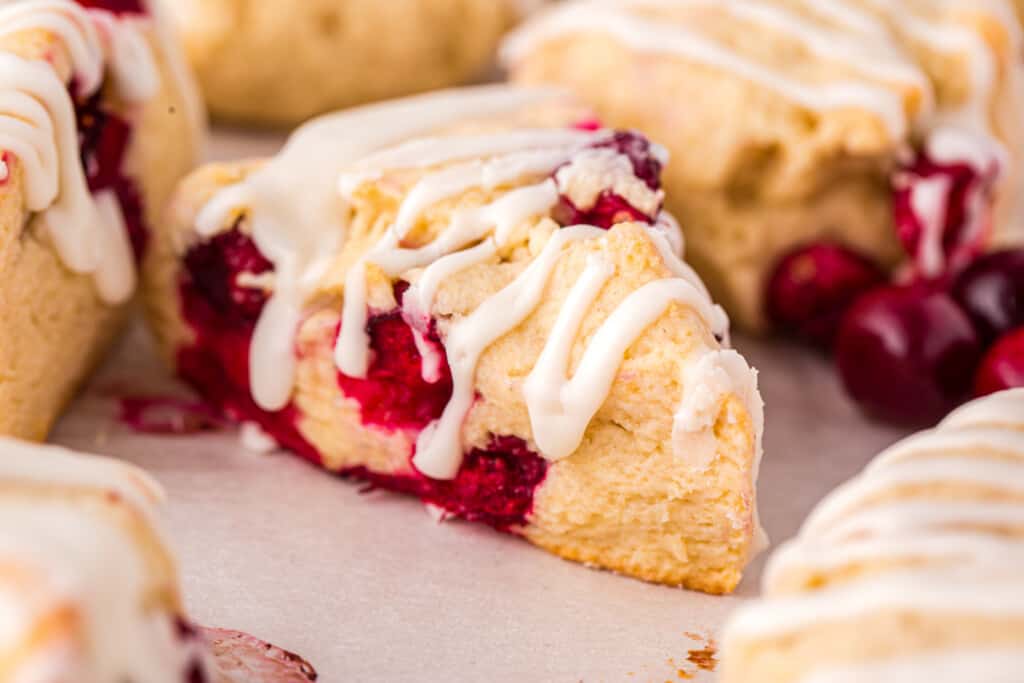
{"x": 279, "y": 62}
{"x": 97, "y": 125}
{"x": 911, "y": 572}
{"x": 867, "y": 124}
{"x": 464, "y": 297}
{"x": 88, "y": 588}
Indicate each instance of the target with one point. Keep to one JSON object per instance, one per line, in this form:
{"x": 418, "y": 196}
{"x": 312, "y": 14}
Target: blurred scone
{"x": 280, "y": 62}
{"x": 462, "y": 297}
{"x": 794, "y": 122}
{"x": 98, "y": 122}
{"x": 909, "y": 573}
{"x": 89, "y": 590}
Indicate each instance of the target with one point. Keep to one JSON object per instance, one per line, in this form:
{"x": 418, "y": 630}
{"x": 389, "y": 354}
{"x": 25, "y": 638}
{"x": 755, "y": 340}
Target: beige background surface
{"x": 368, "y": 587}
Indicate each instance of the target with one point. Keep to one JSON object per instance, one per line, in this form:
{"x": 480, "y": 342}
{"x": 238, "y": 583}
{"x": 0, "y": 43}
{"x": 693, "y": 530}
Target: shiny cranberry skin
{"x": 115, "y": 6}
{"x": 1003, "y": 366}
{"x": 991, "y": 290}
{"x": 813, "y": 286}
{"x": 907, "y": 354}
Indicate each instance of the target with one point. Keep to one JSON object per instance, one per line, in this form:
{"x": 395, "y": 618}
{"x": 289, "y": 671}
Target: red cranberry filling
{"x": 610, "y": 208}
{"x": 394, "y": 395}
{"x": 103, "y": 145}
{"x": 495, "y": 486}
{"x": 116, "y": 6}
{"x": 223, "y": 315}
{"x": 941, "y": 212}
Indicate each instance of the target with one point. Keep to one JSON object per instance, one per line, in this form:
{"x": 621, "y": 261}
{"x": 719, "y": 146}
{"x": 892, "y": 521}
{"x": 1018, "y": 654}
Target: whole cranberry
{"x": 991, "y": 290}
{"x": 1003, "y": 366}
{"x": 115, "y": 6}
{"x": 813, "y": 287}
{"x": 907, "y": 354}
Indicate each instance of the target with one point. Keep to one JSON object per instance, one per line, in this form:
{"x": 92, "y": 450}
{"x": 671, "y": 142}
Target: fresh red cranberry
{"x": 214, "y": 267}
{"x": 495, "y": 486}
{"x": 115, "y": 6}
{"x": 962, "y": 233}
{"x": 222, "y": 316}
{"x": 1003, "y": 366}
{"x": 609, "y": 210}
{"x": 103, "y": 141}
{"x": 590, "y": 124}
{"x": 907, "y": 354}
{"x": 991, "y": 290}
{"x": 813, "y": 286}
{"x": 394, "y": 395}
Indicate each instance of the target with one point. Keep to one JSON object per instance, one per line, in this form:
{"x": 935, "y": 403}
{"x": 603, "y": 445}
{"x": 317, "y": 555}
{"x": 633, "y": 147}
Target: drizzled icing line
{"x": 37, "y": 124}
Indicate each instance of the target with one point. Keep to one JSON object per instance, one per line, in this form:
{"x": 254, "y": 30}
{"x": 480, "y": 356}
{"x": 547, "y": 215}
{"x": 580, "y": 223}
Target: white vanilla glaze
{"x": 930, "y": 551}
{"x": 37, "y": 125}
{"x": 78, "y": 556}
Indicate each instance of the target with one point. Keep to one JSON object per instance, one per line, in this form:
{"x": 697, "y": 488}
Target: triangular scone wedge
{"x": 98, "y": 123}
{"x": 475, "y": 298}
{"x": 794, "y": 122}
{"x": 909, "y": 572}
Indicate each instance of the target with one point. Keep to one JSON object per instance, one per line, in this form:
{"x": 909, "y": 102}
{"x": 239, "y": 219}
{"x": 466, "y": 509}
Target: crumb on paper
{"x": 705, "y": 658}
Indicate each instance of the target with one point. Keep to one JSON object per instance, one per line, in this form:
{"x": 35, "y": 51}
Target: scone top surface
{"x": 794, "y": 122}
{"x": 909, "y": 572}
{"x": 474, "y": 296}
{"x": 88, "y": 591}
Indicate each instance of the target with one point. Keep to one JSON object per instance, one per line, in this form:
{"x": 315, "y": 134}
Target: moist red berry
{"x": 222, "y": 316}
{"x": 394, "y": 395}
{"x": 609, "y": 210}
{"x": 214, "y": 268}
{"x": 495, "y": 486}
{"x": 813, "y": 287}
{"x": 103, "y": 140}
{"x": 991, "y": 290}
{"x": 907, "y": 354}
{"x": 1003, "y": 366}
{"x": 116, "y": 6}
{"x": 941, "y": 213}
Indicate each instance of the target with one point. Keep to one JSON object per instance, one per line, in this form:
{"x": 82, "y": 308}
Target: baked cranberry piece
{"x": 495, "y": 486}
{"x": 103, "y": 146}
{"x": 942, "y": 212}
{"x": 813, "y": 286}
{"x": 1003, "y": 366}
{"x": 638, "y": 149}
{"x": 907, "y": 354}
{"x": 395, "y": 395}
{"x": 991, "y": 290}
{"x": 222, "y": 314}
{"x": 116, "y": 6}
{"x": 609, "y": 210}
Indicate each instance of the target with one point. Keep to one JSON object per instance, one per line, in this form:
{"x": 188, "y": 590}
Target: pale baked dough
{"x": 280, "y": 62}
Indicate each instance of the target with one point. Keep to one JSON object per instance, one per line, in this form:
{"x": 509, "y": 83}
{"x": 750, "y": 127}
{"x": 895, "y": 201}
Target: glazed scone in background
{"x": 575, "y": 384}
{"x": 280, "y": 62}
{"x": 910, "y": 572}
{"x": 787, "y": 120}
{"x": 56, "y": 323}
